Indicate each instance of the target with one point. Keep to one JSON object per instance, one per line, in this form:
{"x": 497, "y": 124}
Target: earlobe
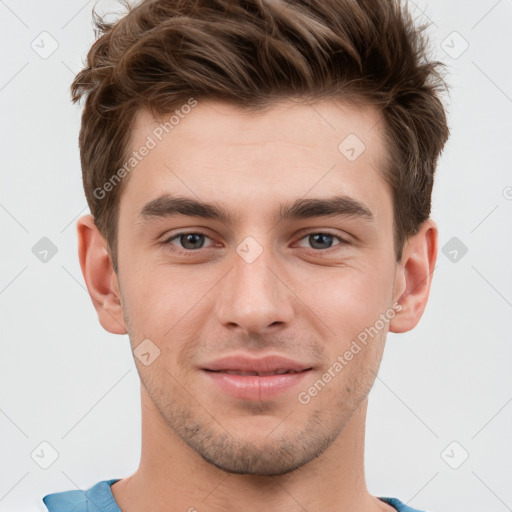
{"x": 99, "y": 275}
{"x": 414, "y": 277}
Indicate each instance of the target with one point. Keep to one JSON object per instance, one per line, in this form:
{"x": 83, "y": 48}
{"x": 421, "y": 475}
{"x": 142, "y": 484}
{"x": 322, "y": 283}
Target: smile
{"x": 254, "y": 385}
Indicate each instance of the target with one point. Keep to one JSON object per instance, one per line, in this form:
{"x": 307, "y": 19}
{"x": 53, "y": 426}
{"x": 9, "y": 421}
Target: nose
{"x": 254, "y": 296}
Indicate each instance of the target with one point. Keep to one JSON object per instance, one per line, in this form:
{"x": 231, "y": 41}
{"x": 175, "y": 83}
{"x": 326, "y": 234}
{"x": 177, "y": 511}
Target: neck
{"x": 172, "y": 476}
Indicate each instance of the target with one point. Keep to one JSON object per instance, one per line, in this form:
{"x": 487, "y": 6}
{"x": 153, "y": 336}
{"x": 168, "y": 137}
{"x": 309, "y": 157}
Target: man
{"x": 259, "y": 176}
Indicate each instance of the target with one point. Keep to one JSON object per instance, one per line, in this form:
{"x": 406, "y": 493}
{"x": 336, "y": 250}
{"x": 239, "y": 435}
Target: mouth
{"x": 279, "y": 371}
{"x": 246, "y": 364}
{"x": 256, "y": 379}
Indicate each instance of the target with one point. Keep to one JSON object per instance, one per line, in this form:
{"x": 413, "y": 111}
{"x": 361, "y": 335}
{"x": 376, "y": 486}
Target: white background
{"x": 66, "y": 381}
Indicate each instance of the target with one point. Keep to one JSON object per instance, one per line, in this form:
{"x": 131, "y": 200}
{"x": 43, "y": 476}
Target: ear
{"x": 99, "y": 275}
{"x": 414, "y": 276}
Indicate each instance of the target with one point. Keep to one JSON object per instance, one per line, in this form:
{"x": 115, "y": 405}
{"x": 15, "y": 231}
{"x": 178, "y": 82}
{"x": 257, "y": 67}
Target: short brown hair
{"x": 253, "y": 53}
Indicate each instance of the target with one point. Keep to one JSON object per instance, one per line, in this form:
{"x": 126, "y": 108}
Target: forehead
{"x": 322, "y": 125}
{"x": 219, "y": 152}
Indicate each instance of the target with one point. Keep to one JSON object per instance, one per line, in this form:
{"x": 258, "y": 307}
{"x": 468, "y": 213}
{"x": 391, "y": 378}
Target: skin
{"x": 201, "y": 448}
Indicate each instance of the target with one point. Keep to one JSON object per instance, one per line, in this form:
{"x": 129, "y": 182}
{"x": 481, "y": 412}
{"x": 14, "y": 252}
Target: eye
{"x": 323, "y": 240}
{"x": 188, "y": 241}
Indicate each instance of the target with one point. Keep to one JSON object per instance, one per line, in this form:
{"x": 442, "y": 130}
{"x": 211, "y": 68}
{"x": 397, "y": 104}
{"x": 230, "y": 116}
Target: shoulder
{"x": 98, "y": 498}
{"x": 400, "y": 506}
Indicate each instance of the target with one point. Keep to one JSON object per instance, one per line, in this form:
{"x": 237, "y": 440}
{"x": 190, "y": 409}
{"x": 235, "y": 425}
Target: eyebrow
{"x": 167, "y": 205}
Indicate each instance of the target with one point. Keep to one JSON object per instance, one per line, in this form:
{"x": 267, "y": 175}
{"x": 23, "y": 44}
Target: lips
{"x": 251, "y": 378}
{"x": 269, "y": 365}
{"x": 280, "y": 371}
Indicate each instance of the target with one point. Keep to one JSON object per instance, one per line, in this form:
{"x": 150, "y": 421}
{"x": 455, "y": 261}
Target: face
{"x": 278, "y": 257}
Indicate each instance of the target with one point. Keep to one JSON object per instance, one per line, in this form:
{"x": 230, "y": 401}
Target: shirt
{"x": 99, "y": 498}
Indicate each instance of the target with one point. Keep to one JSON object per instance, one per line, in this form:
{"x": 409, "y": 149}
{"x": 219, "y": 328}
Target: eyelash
{"x": 190, "y": 252}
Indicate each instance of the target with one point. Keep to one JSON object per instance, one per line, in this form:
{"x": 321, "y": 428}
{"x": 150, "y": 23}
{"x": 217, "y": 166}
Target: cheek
{"x": 158, "y": 292}
{"x": 347, "y": 299}
{"x": 168, "y": 307}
